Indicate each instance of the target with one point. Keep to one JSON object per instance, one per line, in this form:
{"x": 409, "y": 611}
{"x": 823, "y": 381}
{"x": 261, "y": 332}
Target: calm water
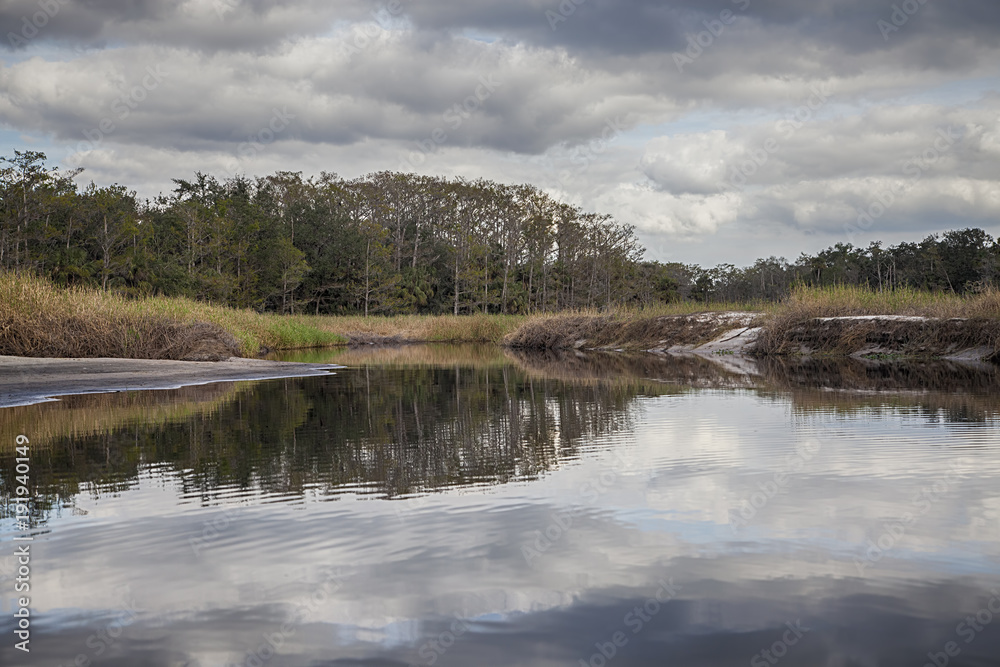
{"x": 460, "y": 506}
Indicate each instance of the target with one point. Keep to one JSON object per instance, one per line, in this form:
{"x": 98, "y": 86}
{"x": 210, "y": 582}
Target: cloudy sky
{"x": 723, "y": 130}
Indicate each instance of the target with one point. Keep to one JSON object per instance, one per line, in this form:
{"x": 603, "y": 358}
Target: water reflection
{"x": 379, "y": 429}
{"x": 939, "y": 390}
{"x": 407, "y": 420}
{"x": 495, "y": 509}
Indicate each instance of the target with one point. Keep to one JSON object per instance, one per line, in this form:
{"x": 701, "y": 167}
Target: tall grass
{"x": 254, "y": 331}
{"x": 41, "y": 320}
{"x": 840, "y": 301}
{"x": 788, "y": 325}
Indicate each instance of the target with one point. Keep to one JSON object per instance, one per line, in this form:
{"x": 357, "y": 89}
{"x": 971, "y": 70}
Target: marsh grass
{"x": 841, "y": 301}
{"x": 38, "y": 319}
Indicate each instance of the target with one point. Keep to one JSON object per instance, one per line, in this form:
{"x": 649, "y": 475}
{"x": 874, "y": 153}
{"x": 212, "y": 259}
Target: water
{"x": 462, "y": 506}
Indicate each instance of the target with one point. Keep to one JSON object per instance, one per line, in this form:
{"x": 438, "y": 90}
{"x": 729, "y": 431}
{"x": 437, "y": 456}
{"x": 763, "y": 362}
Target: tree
{"x": 377, "y": 285}
{"x": 29, "y": 195}
{"x": 383, "y": 243}
{"x": 113, "y": 221}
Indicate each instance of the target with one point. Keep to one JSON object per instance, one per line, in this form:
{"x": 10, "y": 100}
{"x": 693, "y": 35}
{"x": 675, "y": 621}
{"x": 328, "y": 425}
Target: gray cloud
{"x": 601, "y": 27}
{"x": 370, "y": 84}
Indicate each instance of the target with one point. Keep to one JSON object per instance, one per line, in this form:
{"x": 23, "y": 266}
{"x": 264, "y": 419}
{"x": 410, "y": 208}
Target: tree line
{"x": 391, "y": 243}
{"x": 383, "y": 243}
{"x": 959, "y": 261}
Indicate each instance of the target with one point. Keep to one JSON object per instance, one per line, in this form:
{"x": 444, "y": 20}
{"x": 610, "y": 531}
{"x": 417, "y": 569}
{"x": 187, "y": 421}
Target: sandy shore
{"x": 27, "y": 380}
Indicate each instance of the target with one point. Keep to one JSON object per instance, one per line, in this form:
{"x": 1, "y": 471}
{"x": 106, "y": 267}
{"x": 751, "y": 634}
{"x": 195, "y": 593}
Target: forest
{"x": 391, "y": 243}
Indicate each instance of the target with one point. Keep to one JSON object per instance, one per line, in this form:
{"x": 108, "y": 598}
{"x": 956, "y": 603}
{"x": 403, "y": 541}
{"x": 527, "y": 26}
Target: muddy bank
{"x": 727, "y": 338}
{"x": 24, "y": 381}
{"x": 732, "y": 337}
{"x": 617, "y": 332}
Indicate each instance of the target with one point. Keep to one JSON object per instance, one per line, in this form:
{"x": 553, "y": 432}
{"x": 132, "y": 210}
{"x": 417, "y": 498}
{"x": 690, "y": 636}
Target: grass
{"x": 840, "y": 301}
{"x": 38, "y": 319}
{"x": 255, "y": 331}
{"x": 477, "y": 328}
{"x": 955, "y": 324}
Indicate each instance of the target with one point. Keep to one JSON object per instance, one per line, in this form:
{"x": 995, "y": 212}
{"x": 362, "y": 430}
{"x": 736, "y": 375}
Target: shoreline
{"x": 30, "y": 380}
{"x": 734, "y": 338}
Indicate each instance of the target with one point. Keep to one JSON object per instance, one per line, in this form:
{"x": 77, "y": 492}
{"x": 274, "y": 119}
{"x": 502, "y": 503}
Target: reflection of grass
{"x": 437, "y": 355}
{"x": 935, "y": 406}
{"x": 95, "y": 414}
{"x": 63, "y": 434}
{"x": 956, "y": 392}
{"x": 398, "y": 427}
{"x": 885, "y": 356}
{"x": 631, "y": 370}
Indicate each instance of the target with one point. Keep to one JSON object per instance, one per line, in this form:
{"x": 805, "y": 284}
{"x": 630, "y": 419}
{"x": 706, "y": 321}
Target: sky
{"x": 723, "y": 130}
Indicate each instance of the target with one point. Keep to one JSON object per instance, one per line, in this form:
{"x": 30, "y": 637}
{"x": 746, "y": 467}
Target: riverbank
{"x": 811, "y": 322}
{"x": 38, "y": 319}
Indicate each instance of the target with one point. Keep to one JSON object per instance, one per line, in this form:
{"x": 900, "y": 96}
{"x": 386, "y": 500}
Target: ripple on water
{"x": 536, "y": 513}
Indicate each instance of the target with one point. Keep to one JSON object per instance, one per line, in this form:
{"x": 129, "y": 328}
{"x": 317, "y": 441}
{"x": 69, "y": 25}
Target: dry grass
{"x": 38, "y": 319}
{"x": 482, "y": 328}
{"x": 478, "y": 328}
{"x": 699, "y": 307}
{"x": 954, "y": 323}
{"x": 840, "y": 301}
